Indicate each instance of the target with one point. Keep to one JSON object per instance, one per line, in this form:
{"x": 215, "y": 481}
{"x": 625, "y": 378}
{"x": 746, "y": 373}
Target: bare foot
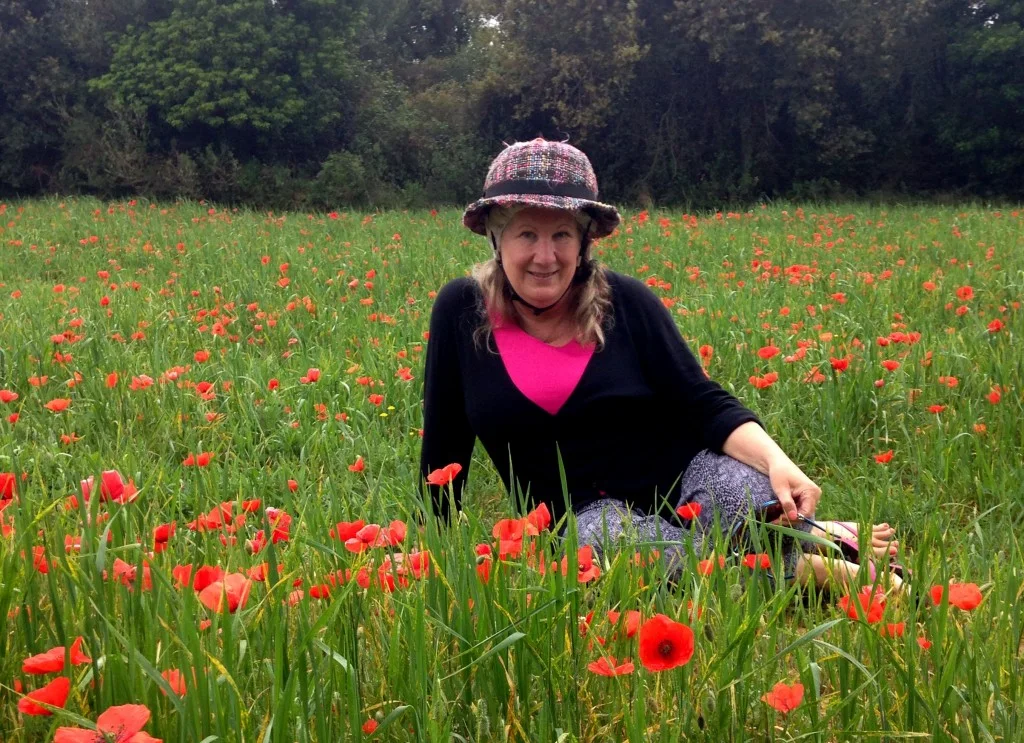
{"x": 826, "y": 572}
{"x": 882, "y": 541}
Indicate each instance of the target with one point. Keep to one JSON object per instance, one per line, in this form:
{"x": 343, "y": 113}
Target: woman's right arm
{"x": 447, "y": 435}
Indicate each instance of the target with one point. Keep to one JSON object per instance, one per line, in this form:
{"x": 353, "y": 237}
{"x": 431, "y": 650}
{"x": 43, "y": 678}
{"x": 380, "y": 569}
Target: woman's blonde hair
{"x": 590, "y": 296}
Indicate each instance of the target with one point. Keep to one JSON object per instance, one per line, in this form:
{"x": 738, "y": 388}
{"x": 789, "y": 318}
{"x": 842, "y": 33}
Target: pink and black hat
{"x": 542, "y": 173}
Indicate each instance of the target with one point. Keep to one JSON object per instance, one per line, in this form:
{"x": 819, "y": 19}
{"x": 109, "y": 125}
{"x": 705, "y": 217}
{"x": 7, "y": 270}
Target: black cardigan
{"x": 641, "y": 411}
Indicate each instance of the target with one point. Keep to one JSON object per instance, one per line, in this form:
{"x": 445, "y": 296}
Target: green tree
{"x": 984, "y": 121}
{"x": 35, "y": 85}
{"x": 250, "y": 73}
{"x": 413, "y": 31}
{"x": 558, "y": 65}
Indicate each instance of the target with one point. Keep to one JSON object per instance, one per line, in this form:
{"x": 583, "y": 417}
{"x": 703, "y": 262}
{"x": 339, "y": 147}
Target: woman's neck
{"x": 553, "y": 327}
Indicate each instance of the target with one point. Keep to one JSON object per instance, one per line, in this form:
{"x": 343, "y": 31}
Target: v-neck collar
{"x": 521, "y": 354}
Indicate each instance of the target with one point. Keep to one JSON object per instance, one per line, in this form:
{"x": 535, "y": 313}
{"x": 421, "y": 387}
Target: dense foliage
{"x": 317, "y": 103}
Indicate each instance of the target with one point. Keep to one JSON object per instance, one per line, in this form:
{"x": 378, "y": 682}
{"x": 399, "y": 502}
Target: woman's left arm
{"x": 797, "y": 493}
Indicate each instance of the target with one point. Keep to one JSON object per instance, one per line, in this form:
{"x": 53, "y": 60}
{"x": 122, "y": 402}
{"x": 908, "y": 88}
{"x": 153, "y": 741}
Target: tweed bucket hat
{"x": 546, "y": 174}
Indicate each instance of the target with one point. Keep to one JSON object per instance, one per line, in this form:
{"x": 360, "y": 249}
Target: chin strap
{"x": 578, "y": 277}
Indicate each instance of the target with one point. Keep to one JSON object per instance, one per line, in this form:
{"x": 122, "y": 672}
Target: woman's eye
{"x": 526, "y": 234}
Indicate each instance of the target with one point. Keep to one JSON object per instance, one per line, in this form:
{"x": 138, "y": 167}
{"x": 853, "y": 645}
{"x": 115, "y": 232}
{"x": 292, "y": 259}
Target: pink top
{"x": 545, "y": 374}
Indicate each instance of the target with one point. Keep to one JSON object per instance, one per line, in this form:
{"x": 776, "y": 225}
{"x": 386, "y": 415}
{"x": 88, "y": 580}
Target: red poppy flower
{"x": 766, "y": 381}
{"x": 345, "y": 530}
{"x": 965, "y": 596}
{"x": 176, "y": 680}
{"x": 587, "y": 569}
{"x": 689, "y": 511}
{"x": 358, "y": 466}
{"x": 707, "y": 567}
{"x": 444, "y": 475}
{"x": 280, "y": 524}
{"x": 840, "y": 365}
{"x": 122, "y": 724}
{"x": 141, "y": 382}
{"x": 54, "y": 693}
{"x": 206, "y": 576}
{"x": 231, "y": 593}
{"x": 965, "y": 293}
{"x": 884, "y": 457}
{"x": 39, "y": 559}
{"x": 7, "y": 482}
{"x": 58, "y": 405}
{"x": 371, "y": 535}
{"x": 182, "y": 574}
{"x": 202, "y": 459}
{"x": 124, "y": 572}
{"x": 893, "y": 629}
{"x": 665, "y": 644}
{"x": 539, "y": 517}
{"x": 396, "y": 532}
{"x": 483, "y": 562}
{"x": 369, "y": 726}
{"x": 112, "y": 488}
{"x": 784, "y": 697}
{"x": 510, "y": 534}
{"x": 419, "y": 563}
{"x": 608, "y": 667}
{"x": 868, "y": 603}
{"x": 52, "y": 661}
{"x": 890, "y": 365}
{"x": 6, "y": 396}
{"x": 632, "y": 623}
{"x": 376, "y": 399}
{"x": 924, "y": 643}
{"x": 754, "y": 561}
{"x": 164, "y": 532}
{"x": 995, "y": 326}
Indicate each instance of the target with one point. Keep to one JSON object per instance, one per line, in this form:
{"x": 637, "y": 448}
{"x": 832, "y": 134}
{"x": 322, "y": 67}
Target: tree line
{"x": 383, "y": 103}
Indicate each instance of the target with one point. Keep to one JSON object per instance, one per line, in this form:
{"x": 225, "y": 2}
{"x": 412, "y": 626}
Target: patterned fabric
{"x": 542, "y": 173}
{"x": 724, "y": 487}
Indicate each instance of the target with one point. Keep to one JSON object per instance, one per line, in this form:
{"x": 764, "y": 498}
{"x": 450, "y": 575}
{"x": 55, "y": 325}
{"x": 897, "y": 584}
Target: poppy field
{"x": 211, "y": 526}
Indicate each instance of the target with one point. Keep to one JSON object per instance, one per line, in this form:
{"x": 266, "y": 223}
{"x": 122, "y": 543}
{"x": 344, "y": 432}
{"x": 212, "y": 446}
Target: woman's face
{"x": 539, "y": 249}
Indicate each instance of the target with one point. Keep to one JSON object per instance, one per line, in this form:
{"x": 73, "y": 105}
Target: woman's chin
{"x": 541, "y": 299}
{"x": 542, "y": 293}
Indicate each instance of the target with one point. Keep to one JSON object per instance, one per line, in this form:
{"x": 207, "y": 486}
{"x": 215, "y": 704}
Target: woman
{"x": 553, "y": 361}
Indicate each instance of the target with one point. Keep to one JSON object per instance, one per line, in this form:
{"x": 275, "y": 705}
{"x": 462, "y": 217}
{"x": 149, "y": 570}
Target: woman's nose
{"x": 545, "y": 250}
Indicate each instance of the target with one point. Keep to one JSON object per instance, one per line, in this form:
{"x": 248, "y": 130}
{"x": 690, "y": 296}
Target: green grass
{"x": 449, "y": 657}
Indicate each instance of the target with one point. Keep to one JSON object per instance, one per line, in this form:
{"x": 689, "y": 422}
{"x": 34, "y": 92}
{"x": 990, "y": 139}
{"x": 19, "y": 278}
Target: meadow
{"x": 244, "y": 389}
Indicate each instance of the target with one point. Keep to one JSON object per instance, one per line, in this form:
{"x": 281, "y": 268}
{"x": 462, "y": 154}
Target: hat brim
{"x": 606, "y": 217}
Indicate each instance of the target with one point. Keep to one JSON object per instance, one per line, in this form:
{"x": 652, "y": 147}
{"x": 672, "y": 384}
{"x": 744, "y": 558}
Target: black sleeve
{"x": 447, "y": 435}
{"x": 674, "y": 371}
